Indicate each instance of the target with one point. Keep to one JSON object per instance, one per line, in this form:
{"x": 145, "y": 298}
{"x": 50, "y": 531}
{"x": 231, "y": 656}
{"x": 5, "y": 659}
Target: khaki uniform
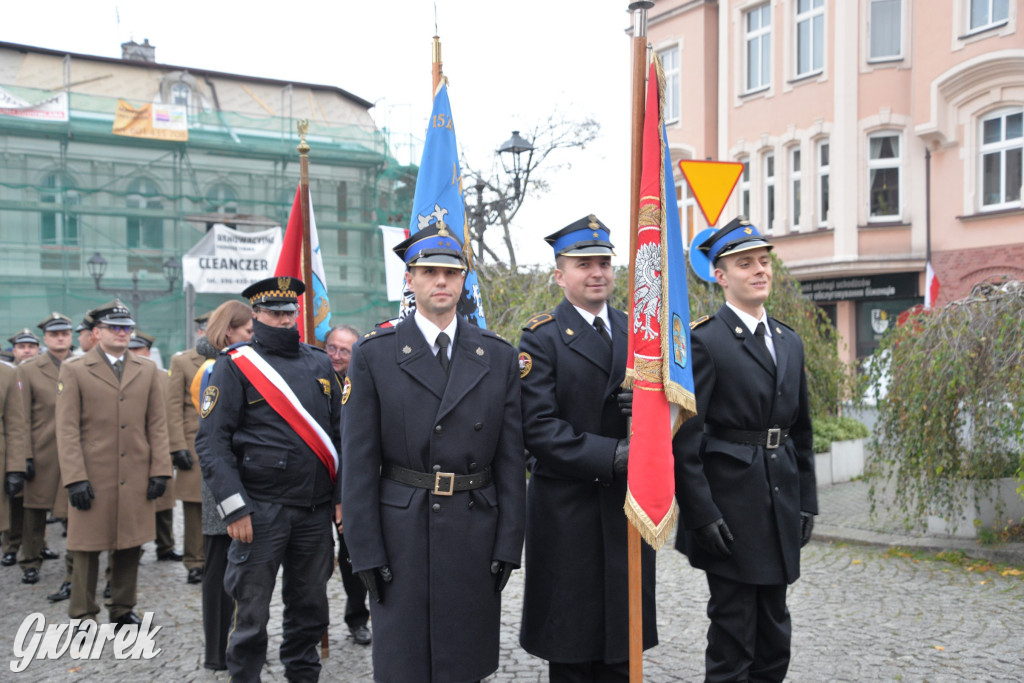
{"x": 13, "y": 433}
{"x": 182, "y": 425}
{"x": 114, "y": 435}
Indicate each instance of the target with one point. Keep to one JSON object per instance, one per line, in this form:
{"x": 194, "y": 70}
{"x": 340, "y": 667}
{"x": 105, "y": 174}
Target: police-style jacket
{"x": 246, "y": 450}
{"x": 759, "y": 491}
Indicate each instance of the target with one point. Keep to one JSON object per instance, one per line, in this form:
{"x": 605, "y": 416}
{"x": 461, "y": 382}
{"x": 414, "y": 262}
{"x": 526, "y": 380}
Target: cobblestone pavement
{"x": 860, "y": 613}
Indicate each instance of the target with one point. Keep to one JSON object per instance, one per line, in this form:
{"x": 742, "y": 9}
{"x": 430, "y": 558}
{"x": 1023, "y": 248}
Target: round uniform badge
{"x": 525, "y": 364}
{"x": 60, "y": 387}
{"x": 210, "y": 397}
{"x": 346, "y": 391}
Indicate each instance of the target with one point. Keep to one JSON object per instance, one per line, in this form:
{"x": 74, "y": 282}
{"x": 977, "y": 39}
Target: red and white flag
{"x": 931, "y": 286}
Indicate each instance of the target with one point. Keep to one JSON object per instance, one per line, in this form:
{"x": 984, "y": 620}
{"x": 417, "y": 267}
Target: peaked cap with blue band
{"x": 586, "y": 237}
{"x": 738, "y": 235}
{"x": 434, "y": 245}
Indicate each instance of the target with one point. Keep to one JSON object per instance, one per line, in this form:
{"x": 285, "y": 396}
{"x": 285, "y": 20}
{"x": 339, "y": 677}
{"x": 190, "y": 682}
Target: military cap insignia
{"x": 479, "y": 351}
{"x": 407, "y": 349}
{"x": 325, "y": 386}
{"x": 346, "y": 391}
{"x": 283, "y": 282}
{"x": 60, "y": 387}
{"x": 210, "y": 397}
{"x": 525, "y": 364}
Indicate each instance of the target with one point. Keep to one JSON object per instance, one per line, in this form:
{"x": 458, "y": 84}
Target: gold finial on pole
{"x": 303, "y": 126}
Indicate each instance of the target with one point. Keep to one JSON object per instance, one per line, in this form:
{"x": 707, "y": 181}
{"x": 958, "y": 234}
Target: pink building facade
{"x": 876, "y": 135}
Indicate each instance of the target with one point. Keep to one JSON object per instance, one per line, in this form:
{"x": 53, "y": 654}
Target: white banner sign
{"x": 394, "y": 267}
{"x": 53, "y": 108}
{"x": 228, "y": 260}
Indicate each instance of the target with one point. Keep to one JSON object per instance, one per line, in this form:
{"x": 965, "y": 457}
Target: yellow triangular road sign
{"x": 711, "y": 182}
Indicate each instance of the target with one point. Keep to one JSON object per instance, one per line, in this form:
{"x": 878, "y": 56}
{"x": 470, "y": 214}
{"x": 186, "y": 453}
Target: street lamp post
{"x": 97, "y": 266}
{"x": 482, "y": 214}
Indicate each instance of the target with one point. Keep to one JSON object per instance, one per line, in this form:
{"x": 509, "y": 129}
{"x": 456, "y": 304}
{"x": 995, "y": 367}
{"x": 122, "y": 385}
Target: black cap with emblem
{"x": 275, "y": 293}
{"x": 586, "y": 237}
{"x": 738, "y": 235}
{"x": 434, "y": 245}
{"x": 112, "y": 313}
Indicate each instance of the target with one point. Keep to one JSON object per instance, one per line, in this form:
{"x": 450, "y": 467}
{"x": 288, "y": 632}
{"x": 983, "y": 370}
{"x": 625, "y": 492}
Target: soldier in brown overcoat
{"x": 43, "y": 487}
{"x": 114, "y": 460}
{"x": 24, "y": 346}
{"x": 182, "y": 425}
{"x": 13, "y": 439}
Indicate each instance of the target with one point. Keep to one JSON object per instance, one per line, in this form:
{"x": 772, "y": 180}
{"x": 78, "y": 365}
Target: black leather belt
{"x": 770, "y": 438}
{"x": 440, "y": 483}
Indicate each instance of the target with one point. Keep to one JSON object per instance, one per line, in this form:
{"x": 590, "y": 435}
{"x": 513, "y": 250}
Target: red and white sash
{"x": 285, "y": 403}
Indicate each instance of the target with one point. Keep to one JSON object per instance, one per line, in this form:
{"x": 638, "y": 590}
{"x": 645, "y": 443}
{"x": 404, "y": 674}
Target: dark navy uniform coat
{"x": 439, "y": 619}
{"x": 576, "y": 604}
{"x": 758, "y": 492}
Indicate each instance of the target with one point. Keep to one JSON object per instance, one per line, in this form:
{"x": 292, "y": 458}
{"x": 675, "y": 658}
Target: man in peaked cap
{"x": 745, "y": 465}
{"x": 43, "y": 487}
{"x": 573, "y": 361}
{"x": 433, "y": 486}
{"x": 114, "y": 461}
{"x": 85, "y": 338}
{"x": 268, "y": 445}
{"x": 24, "y": 345}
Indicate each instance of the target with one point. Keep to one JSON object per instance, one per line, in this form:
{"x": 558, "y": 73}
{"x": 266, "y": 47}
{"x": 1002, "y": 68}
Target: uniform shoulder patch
{"x": 346, "y": 391}
{"x": 210, "y": 397}
{"x": 325, "y": 386}
{"x": 700, "y": 321}
{"x": 525, "y": 364}
{"x": 538, "y": 320}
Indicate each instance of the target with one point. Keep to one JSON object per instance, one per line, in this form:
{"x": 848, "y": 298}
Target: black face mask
{"x": 281, "y": 341}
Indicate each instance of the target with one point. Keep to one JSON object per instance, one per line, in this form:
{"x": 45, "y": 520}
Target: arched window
{"x": 144, "y": 232}
{"x": 221, "y": 198}
{"x": 59, "y": 224}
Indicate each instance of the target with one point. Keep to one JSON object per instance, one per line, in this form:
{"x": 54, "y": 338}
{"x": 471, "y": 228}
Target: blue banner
{"x": 680, "y": 369}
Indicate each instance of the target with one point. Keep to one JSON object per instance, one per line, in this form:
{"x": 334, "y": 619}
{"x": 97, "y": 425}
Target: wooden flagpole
{"x": 308, "y": 314}
{"x": 436, "y": 67}
{"x": 636, "y": 612}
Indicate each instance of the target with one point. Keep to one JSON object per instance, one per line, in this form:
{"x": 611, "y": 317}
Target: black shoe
{"x": 30, "y": 576}
{"x": 48, "y": 554}
{"x": 170, "y": 556}
{"x": 360, "y": 634}
{"x": 9, "y": 559}
{"x": 195, "y": 575}
{"x": 106, "y": 590}
{"x": 50, "y": 519}
{"x": 63, "y": 593}
{"x": 126, "y": 619}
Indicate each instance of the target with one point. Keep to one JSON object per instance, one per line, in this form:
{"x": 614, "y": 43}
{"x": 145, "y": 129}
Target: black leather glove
{"x": 30, "y": 469}
{"x": 372, "y": 579}
{"x": 80, "y": 495}
{"x": 625, "y": 401}
{"x": 620, "y": 462}
{"x": 182, "y": 460}
{"x": 157, "y": 486}
{"x": 713, "y": 538}
{"x": 501, "y": 571}
{"x": 14, "y": 482}
{"x": 806, "y": 527}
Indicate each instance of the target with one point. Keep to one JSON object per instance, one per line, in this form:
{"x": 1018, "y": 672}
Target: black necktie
{"x": 443, "y": 341}
{"x": 117, "y": 369}
{"x": 759, "y": 332}
{"x": 602, "y": 330}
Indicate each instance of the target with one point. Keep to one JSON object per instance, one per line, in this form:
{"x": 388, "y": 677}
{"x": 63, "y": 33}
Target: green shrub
{"x": 829, "y": 429}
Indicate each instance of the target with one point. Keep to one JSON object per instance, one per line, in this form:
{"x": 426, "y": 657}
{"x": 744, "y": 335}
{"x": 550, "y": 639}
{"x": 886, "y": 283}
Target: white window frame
{"x": 896, "y": 56}
{"x": 770, "y": 202}
{"x": 822, "y": 185}
{"x": 795, "y": 187}
{"x": 885, "y": 164}
{"x": 761, "y": 39}
{"x": 745, "y": 188}
{"x": 673, "y": 97}
{"x": 1001, "y": 147}
{"x": 991, "y": 6}
{"x": 144, "y": 193}
{"x": 814, "y": 17}
{"x": 687, "y": 205}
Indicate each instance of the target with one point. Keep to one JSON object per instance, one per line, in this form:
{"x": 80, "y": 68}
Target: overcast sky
{"x": 508, "y": 65}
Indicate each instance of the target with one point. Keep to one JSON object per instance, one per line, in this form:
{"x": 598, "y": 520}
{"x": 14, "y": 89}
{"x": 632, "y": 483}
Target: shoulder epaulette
{"x": 234, "y": 346}
{"x": 378, "y": 332}
{"x": 538, "y": 320}
{"x": 495, "y": 335}
{"x": 700, "y": 321}
{"x": 788, "y": 327}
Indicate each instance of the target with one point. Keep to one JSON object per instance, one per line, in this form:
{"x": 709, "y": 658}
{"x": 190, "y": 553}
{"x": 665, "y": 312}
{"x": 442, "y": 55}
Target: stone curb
{"x": 1005, "y": 553}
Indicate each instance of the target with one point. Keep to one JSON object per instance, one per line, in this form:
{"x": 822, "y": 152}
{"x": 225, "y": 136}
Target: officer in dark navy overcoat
{"x": 433, "y": 476}
{"x": 575, "y": 611}
{"x": 272, "y": 488}
{"x": 745, "y": 465}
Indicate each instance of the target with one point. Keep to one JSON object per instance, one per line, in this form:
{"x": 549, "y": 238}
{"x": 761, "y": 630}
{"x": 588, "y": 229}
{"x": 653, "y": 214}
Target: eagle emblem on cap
{"x": 283, "y": 282}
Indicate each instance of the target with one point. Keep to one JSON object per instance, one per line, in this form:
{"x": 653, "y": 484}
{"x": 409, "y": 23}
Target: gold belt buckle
{"x": 774, "y": 437}
{"x": 444, "y": 476}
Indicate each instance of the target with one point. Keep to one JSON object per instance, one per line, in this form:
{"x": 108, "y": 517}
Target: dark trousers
{"x": 588, "y": 672}
{"x": 33, "y": 538}
{"x": 194, "y": 540}
{"x": 12, "y": 537}
{"x": 750, "y": 632}
{"x": 165, "y": 531}
{"x": 124, "y": 573}
{"x": 356, "y": 613}
{"x": 218, "y": 607}
{"x": 300, "y": 539}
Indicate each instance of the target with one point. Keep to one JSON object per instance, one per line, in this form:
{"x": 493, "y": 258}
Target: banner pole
{"x": 635, "y": 582}
{"x": 308, "y": 314}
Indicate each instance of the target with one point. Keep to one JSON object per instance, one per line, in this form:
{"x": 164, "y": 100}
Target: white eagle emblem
{"x": 647, "y": 289}
{"x": 438, "y": 216}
